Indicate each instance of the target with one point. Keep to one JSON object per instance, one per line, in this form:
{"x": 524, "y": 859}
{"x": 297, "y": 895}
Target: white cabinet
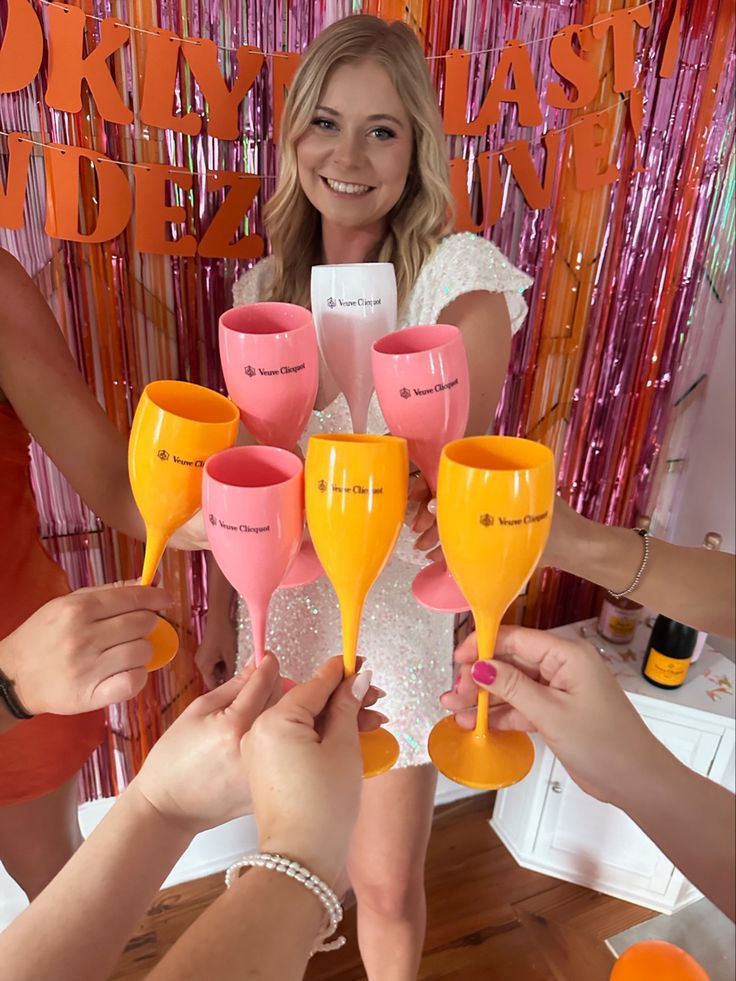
{"x": 552, "y": 826}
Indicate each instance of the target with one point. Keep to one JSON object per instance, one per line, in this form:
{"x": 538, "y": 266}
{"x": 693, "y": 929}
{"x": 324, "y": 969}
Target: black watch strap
{"x": 7, "y": 694}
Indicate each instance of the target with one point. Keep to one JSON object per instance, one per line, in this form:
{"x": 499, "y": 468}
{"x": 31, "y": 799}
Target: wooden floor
{"x": 488, "y": 918}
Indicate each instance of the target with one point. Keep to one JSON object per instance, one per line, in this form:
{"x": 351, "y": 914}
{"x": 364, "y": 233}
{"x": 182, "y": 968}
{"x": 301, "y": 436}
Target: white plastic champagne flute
{"x": 353, "y": 304}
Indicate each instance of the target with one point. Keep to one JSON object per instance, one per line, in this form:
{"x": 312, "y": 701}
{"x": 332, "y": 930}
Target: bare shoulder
{"x": 22, "y": 301}
{"x": 11, "y": 270}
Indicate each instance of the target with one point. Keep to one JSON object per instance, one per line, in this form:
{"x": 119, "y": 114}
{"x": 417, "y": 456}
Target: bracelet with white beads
{"x": 277, "y": 863}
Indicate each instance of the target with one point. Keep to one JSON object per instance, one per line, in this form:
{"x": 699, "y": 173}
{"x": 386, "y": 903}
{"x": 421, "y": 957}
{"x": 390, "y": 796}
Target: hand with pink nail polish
{"x": 561, "y": 689}
{"x": 564, "y": 691}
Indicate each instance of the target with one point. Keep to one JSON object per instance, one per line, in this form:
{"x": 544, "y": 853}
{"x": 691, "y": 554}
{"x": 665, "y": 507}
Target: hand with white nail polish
{"x": 422, "y": 518}
{"x": 304, "y": 764}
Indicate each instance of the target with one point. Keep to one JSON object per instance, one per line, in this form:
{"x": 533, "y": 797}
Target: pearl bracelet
{"x": 277, "y": 863}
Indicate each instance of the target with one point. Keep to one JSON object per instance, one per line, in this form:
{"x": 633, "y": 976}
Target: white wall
{"x": 708, "y": 493}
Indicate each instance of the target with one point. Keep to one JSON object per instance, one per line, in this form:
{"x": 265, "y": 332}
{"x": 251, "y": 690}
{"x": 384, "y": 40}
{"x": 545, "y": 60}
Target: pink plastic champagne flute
{"x": 270, "y": 361}
{"x": 253, "y": 502}
{"x": 421, "y": 379}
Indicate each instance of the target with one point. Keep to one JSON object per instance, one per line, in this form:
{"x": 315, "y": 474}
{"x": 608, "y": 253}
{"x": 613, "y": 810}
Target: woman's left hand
{"x": 422, "y": 518}
{"x": 305, "y": 768}
{"x": 194, "y": 776}
{"x": 191, "y": 537}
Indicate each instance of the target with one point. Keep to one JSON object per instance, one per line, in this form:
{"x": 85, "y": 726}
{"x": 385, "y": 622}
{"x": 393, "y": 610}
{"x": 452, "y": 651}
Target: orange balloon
{"x": 657, "y": 960}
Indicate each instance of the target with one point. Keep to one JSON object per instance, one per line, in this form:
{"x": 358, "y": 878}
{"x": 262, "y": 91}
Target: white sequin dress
{"x": 408, "y": 648}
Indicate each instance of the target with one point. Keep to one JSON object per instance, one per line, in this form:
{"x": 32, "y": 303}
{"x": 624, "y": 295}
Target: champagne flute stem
{"x": 350, "y": 615}
{"x": 155, "y": 548}
{"x": 359, "y": 418}
{"x": 481, "y": 722}
{"x": 487, "y": 630}
{"x": 258, "y": 613}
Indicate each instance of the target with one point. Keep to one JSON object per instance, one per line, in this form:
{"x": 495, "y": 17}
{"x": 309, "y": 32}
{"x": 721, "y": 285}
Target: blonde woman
{"x": 364, "y": 177}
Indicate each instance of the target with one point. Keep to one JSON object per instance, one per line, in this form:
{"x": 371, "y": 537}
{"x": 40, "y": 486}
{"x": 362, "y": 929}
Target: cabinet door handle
{"x": 556, "y": 787}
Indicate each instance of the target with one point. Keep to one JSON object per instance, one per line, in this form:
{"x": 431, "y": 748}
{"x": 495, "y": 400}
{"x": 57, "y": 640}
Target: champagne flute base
{"x": 483, "y": 762}
{"x": 165, "y": 642}
{"x": 380, "y": 751}
{"x": 305, "y": 568}
{"x": 435, "y": 588}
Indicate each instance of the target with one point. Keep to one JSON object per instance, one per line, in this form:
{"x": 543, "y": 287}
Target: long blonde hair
{"x": 424, "y": 212}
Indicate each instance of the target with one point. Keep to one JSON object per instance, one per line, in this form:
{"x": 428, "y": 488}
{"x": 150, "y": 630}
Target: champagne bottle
{"x": 712, "y": 542}
{"x": 669, "y": 653}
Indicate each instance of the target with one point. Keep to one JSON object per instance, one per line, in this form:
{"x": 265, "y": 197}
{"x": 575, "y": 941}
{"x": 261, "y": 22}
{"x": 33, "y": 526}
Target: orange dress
{"x": 38, "y": 755}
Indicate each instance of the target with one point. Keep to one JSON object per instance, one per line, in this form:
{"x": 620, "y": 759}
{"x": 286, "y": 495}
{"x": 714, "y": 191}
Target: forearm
{"x": 107, "y": 491}
{"x": 486, "y": 385}
{"x": 117, "y": 508}
{"x": 483, "y": 319}
{"x": 692, "y": 820}
{"x": 264, "y": 927}
{"x": 80, "y": 923}
{"x": 693, "y": 585}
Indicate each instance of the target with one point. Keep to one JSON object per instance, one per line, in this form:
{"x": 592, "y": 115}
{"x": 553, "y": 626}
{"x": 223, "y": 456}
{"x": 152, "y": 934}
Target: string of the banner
{"x": 213, "y": 176}
{"x": 540, "y": 40}
{"x": 271, "y": 54}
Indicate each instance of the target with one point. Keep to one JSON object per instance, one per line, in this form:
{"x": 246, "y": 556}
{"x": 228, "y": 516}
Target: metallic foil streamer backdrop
{"x": 623, "y": 312}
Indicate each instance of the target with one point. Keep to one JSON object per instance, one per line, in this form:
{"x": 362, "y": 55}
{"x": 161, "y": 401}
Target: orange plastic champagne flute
{"x": 494, "y": 508}
{"x": 176, "y": 427}
{"x": 356, "y": 491}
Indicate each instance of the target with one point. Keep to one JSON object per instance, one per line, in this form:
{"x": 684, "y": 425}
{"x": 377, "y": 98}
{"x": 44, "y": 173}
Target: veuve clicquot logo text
{"x": 244, "y": 528}
{"x": 285, "y": 369}
{"x": 491, "y": 520}
{"x": 181, "y": 461}
{"x": 323, "y": 486}
{"x": 406, "y": 393}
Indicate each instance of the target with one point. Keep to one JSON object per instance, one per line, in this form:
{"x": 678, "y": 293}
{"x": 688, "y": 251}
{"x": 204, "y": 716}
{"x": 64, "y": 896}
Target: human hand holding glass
{"x": 354, "y": 304}
{"x": 305, "y": 769}
{"x": 195, "y": 776}
{"x": 270, "y": 362}
{"x": 356, "y": 490}
{"x": 176, "y": 427}
{"x": 422, "y": 384}
{"x": 494, "y": 506}
{"x": 530, "y": 671}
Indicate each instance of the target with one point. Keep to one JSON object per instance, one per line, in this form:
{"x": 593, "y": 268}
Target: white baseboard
{"x": 212, "y": 851}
